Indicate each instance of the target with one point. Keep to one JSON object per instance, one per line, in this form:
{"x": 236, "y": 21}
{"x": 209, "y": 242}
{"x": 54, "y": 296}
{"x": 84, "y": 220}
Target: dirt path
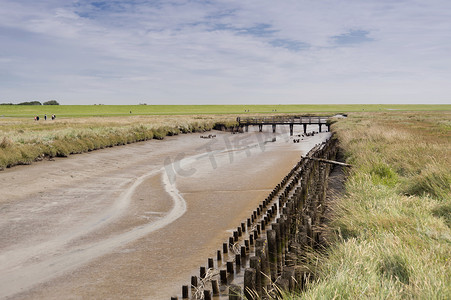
{"x": 133, "y": 221}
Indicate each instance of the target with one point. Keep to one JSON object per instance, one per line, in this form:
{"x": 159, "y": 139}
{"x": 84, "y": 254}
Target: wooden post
{"x": 249, "y": 283}
{"x": 262, "y": 252}
{"x": 223, "y": 276}
{"x": 283, "y": 233}
{"x": 207, "y": 295}
{"x": 202, "y": 272}
{"x": 255, "y": 263}
{"x": 305, "y": 128}
{"x": 287, "y": 213}
{"x": 243, "y": 252}
{"x": 218, "y": 256}
{"x": 276, "y": 228}
{"x": 300, "y": 277}
{"x": 274, "y": 128}
{"x": 230, "y": 267}
{"x": 289, "y": 274}
{"x": 272, "y": 253}
{"x": 215, "y": 287}
{"x": 291, "y": 129}
{"x": 194, "y": 281}
{"x": 238, "y": 261}
{"x": 290, "y": 259}
{"x": 235, "y": 292}
{"x": 224, "y": 248}
{"x": 185, "y": 292}
{"x": 210, "y": 263}
{"x": 283, "y": 285}
{"x": 308, "y": 224}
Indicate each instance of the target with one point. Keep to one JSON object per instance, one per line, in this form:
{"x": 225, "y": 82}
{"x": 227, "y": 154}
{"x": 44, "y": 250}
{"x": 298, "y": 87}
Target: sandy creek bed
{"x": 134, "y": 221}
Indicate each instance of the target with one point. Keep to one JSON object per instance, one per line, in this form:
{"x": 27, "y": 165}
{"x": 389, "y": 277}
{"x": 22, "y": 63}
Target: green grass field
{"x": 29, "y": 111}
{"x": 392, "y": 228}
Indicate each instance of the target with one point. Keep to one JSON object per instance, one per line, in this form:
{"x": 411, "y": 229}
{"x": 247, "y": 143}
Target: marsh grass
{"x": 24, "y": 141}
{"x": 392, "y": 228}
{"x": 29, "y": 111}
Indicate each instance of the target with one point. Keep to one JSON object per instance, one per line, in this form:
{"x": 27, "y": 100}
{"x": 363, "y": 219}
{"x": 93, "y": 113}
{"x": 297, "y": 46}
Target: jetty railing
{"x": 245, "y": 122}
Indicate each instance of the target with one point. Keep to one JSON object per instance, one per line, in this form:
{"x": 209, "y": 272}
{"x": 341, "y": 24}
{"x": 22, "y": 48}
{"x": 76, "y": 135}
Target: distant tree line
{"x": 50, "y": 102}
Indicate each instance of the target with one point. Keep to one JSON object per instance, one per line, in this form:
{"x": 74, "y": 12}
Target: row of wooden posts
{"x": 271, "y": 243}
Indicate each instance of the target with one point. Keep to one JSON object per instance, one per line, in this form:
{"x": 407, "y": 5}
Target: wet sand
{"x": 134, "y": 221}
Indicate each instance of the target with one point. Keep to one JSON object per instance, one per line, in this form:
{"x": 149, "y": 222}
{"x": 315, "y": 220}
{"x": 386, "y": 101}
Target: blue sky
{"x": 226, "y": 52}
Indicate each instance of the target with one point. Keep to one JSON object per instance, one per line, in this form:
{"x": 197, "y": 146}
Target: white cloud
{"x": 199, "y": 52}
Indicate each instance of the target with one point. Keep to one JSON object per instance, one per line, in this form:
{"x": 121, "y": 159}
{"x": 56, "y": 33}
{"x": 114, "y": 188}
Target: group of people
{"x": 36, "y": 118}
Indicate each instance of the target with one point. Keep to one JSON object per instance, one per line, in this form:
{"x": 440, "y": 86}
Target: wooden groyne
{"x": 259, "y": 258}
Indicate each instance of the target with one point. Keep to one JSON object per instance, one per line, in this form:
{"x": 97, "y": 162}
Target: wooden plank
{"x": 328, "y": 161}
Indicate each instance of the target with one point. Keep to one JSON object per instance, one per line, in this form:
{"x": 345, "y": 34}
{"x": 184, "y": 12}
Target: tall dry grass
{"x": 23, "y": 141}
{"x": 392, "y": 228}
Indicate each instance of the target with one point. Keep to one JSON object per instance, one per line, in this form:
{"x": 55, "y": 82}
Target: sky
{"x": 226, "y": 52}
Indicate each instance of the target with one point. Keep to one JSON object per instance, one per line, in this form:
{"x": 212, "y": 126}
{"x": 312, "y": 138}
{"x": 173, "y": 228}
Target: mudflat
{"x": 134, "y": 221}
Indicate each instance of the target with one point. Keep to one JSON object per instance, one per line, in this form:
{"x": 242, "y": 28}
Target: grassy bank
{"x": 29, "y": 111}
{"x": 24, "y": 141}
{"x": 393, "y": 228}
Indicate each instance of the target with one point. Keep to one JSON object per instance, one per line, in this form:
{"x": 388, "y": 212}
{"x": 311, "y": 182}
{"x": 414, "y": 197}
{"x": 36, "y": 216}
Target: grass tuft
{"x": 430, "y": 182}
{"x": 383, "y": 174}
{"x": 394, "y": 267}
{"x": 443, "y": 211}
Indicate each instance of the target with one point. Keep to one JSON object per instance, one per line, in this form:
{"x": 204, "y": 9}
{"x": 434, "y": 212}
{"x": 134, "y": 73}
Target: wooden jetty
{"x": 284, "y": 120}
